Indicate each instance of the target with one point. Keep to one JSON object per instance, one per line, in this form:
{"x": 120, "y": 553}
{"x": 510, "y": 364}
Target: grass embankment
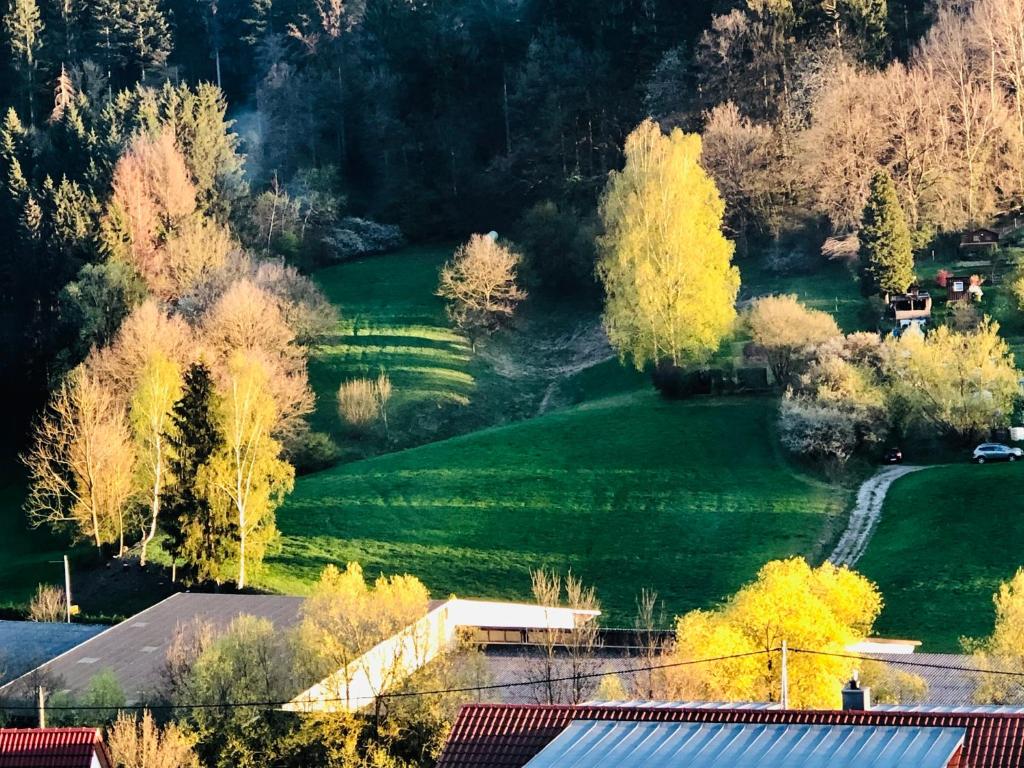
{"x": 631, "y": 491}
{"x": 946, "y": 539}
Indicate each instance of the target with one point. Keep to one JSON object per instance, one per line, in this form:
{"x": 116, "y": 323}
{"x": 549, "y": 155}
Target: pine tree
{"x": 195, "y": 531}
{"x": 888, "y": 262}
{"x": 23, "y": 26}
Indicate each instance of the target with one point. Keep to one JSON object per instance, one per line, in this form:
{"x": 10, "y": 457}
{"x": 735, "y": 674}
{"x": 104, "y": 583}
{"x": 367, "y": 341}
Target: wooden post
{"x": 42, "y": 707}
{"x": 67, "y": 589}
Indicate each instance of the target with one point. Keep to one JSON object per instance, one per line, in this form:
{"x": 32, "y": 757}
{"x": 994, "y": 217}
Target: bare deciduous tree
{"x": 141, "y": 743}
{"x": 80, "y": 462}
{"x": 480, "y": 285}
{"x": 48, "y": 604}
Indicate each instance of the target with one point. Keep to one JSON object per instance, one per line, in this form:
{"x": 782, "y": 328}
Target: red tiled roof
{"x": 51, "y": 748}
{"x": 510, "y": 735}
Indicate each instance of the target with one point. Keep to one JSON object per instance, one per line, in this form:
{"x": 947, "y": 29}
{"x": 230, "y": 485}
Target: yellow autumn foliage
{"x": 819, "y": 609}
{"x": 665, "y": 264}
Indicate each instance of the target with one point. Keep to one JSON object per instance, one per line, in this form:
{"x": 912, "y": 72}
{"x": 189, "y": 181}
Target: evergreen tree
{"x": 133, "y": 35}
{"x": 23, "y": 26}
{"x": 888, "y": 262}
{"x": 197, "y": 531}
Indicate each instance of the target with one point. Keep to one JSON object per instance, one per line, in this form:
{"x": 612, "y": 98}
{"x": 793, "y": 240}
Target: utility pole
{"x": 67, "y": 588}
{"x": 42, "y": 706}
{"x": 785, "y": 676}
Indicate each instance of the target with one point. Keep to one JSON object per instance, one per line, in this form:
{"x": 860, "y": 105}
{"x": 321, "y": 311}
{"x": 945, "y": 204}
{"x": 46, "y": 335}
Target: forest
{"x": 442, "y": 117}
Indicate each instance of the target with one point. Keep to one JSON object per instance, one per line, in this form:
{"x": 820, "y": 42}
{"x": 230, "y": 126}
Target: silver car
{"x": 995, "y": 452}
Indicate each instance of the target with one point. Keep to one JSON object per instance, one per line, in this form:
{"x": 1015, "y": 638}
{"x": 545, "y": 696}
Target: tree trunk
{"x": 154, "y": 506}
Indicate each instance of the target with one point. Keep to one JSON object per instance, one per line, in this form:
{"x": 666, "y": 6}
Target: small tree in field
{"x": 48, "y": 604}
{"x": 789, "y": 332}
{"x": 665, "y": 264}
{"x": 362, "y": 401}
{"x": 885, "y": 240}
{"x": 480, "y": 285}
{"x": 357, "y": 403}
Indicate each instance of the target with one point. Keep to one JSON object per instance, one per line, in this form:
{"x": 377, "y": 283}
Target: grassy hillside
{"x": 631, "y": 491}
{"x": 24, "y": 553}
{"x": 947, "y": 537}
{"x": 390, "y": 319}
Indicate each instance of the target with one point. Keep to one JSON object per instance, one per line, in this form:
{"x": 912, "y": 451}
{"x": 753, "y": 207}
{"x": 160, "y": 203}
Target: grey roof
{"x": 136, "y": 649}
{"x": 948, "y": 686}
{"x": 25, "y": 645}
{"x": 609, "y": 744}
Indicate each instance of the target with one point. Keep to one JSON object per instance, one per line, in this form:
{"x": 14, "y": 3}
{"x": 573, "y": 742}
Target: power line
{"x": 924, "y": 664}
{"x": 397, "y": 694}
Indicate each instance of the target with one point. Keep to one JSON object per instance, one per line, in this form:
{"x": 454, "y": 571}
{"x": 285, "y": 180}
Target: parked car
{"x": 893, "y": 456}
{"x": 995, "y": 452}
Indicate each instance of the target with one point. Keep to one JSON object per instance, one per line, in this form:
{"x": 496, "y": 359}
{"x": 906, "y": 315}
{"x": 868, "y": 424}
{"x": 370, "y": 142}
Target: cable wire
{"x": 395, "y": 694}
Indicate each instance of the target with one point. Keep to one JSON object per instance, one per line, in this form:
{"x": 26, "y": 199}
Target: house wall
{"x": 391, "y": 661}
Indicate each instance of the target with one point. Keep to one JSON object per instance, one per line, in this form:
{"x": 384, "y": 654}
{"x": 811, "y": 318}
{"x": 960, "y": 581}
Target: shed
{"x": 963, "y": 287}
{"x": 981, "y": 238}
{"x": 912, "y": 305}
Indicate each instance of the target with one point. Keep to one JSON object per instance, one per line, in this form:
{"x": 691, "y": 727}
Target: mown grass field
{"x": 629, "y": 491}
{"x": 24, "y": 553}
{"x": 390, "y": 319}
{"x": 946, "y": 539}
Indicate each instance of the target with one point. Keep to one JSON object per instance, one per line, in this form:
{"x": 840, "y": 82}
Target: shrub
{"x": 362, "y": 401}
{"x": 357, "y": 402}
{"x": 316, "y": 451}
{"x": 354, "y": 237}
{"x": 789, "y": 332}
{"x": 816, "y": 430}
{"x": 48, "y": 604}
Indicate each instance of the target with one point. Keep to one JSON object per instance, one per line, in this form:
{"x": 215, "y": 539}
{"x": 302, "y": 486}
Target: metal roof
{"x": 52, "y": 748}
{"x": 25, "y": 645}
{"x": 604, "y": 744}
{"x": 511, "y": 735}
{"x": 136, "y": 649}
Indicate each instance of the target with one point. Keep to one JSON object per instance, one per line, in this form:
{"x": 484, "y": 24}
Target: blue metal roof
{"x": 609, "y": 744}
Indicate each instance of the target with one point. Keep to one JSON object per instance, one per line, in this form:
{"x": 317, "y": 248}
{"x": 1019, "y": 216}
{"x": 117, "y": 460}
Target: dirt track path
{"x": 865, "y": 514}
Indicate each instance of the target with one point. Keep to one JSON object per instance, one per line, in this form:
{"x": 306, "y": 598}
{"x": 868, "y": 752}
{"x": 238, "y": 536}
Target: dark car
{"x": 995, "y": 452}
{"x": 893, "y": 456}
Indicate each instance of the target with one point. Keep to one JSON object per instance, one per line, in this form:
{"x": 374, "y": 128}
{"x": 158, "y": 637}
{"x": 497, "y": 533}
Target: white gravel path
{"x": 864, "y": 517}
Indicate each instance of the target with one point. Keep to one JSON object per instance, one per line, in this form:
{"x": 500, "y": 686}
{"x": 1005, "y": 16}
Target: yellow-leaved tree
{"x": 246, "y": 472}
{"x": 344, "y": 617}
{"x": 1004, "y": 649}
{"x": 962, "y": 383}
{"x": 158, "y": 388}
{"x": 80, "y": 462}
{"x": 817, "y": 609}
{"x": 665, "y": 264}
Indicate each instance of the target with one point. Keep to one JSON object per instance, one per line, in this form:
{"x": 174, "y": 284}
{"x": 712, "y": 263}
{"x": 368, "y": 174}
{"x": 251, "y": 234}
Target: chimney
{"x": 855, "y": 697}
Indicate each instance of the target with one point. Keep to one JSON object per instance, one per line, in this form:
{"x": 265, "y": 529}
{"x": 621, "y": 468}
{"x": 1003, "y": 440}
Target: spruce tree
{"x": 197, "y": 531}
{"x": 23, "y": 26}
{"x": 887, "y": 259}
{"x": 133, "y": 35}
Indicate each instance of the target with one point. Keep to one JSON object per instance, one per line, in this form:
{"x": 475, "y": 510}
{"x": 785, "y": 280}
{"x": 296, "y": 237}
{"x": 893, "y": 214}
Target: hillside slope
{"x": 630, "y": 492}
